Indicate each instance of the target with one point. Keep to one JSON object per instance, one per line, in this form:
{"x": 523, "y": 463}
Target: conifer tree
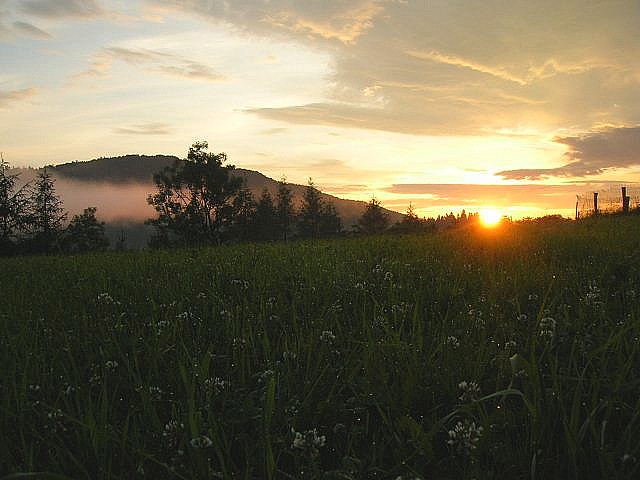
{"x": 244, "y": 213}
{"x": 47, "y": 214}
{"x": 374, "y": 219}
{"x": 14, "y": 210}
{"x": 285, "y": 210}
{"x": 310, "y": 217}
{"x": 265, "y": 225}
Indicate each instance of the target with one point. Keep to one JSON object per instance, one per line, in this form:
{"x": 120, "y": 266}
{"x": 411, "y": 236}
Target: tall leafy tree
{"x": 14, "y": 209}
{"x": 374, "y": 219}
{"x": 47, "y": 215}
{"x": 285, "y": 210}
{"x": 85, "y": 233}
{"x": 194, "y": 198}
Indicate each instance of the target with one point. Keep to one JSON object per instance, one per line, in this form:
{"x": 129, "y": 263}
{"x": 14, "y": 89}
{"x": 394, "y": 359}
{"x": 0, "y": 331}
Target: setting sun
{"x": 490, "y": 217}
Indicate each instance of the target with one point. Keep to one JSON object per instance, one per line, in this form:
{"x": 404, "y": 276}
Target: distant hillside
{"x": 118, "y": 187}
{"x": 126, "y": 169}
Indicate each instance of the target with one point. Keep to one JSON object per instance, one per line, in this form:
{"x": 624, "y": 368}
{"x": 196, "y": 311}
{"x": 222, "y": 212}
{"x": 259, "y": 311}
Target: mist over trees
{"x": 200, "y": 200}
{"x": 32, "y": 219}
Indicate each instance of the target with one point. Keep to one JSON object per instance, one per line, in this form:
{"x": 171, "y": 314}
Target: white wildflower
{"x": 469, "y": 391}
{"x": 111, "y": 365}
{"x": 547, "y": 327}
{"x": 201, "y": 442}
{"x": 464, "y": 437}
{"x": 453, "y": 341}
{"x": 309, "y": 441}
{"x": 327, "y": 336}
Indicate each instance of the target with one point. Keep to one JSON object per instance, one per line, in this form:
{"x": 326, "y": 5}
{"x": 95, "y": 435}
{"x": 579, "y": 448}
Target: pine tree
{"x": 243, "y": 216}
{"x": 374, "y": 219}
{"x": 14, "y": 210}
{"x": 47, "y": 215}
{"x": 330, "y": 221}
{"x": 285, "y": 210}
{"x": 311, "y": 210}
{"x": 265, "y": 226}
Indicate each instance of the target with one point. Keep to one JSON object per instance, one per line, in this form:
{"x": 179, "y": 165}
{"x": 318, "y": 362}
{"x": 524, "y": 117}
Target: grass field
{"x": 507, "y": 353}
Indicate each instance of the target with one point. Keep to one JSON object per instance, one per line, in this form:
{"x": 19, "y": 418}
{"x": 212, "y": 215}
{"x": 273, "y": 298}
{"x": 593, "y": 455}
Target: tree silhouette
{"x": 47, "y": 215}
{"x": 317, "y": 218}
{"x": 244, "y": 211}
{"x": 310, "y": 216}
{"x": 194, "y": 198}
{"x": 374, "y": 219}
{"x": 330, "y": 221}
{"x": 85, "y": 233}
{"x": 266, "y": 226}
{"x": 14, "y": 210}
{"x": 285, "y": 210}
{"x": 410, "y": 223}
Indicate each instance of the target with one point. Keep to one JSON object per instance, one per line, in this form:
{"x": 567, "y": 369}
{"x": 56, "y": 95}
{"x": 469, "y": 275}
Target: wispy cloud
{"x": 154, "y": 128}
{"x": 346, "y": 25}
{"x": 8, "y": 97}
{"x": 466, "y": 63}
{"x": 590, "y": 154}
{"x": 31, "y": 30}
{"x": 61, "y": 8}
{"x": 453, "y": 67}
{"x": 151, "y": 61}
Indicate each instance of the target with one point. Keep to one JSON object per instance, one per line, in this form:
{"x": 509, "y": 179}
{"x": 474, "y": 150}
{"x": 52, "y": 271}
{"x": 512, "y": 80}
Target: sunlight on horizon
{"x": 491, "y": 217}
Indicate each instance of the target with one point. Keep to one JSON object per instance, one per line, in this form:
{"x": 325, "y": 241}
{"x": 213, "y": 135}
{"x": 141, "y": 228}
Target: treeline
{"x": 33, "y": 219}
{"x": 198, "y": 201}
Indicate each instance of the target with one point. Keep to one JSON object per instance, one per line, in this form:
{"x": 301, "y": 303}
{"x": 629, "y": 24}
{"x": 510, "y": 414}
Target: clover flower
{"x": 327, "y": 336}
{"x": 201, "y": 441}
{"x": 469, "y": 391}
{"x": 547, "y": 327}
{"x": 464, "y": 437}
{"x": 308, "y": 441}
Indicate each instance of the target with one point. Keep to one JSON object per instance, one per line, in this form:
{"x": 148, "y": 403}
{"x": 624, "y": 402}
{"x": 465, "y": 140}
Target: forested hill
{"x": 122, "y": 172}
{"x": 125, "y": 169}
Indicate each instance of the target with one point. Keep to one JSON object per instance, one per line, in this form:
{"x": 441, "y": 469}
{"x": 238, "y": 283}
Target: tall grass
{"x": 337, "y": 359}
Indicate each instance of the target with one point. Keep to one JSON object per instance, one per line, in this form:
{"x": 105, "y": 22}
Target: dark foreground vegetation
{"x": 507, "y": 353}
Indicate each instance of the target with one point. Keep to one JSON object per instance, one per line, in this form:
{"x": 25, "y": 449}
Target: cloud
{"x": 463, "y": 63}
{"x": 590, "y": 154}
{"x": 152, "y": 61}
{"x": 31, "y": 30}
{"x": 347, "y": 115}
{"x": 313, "y": 20}
{"x": 10, "y": 96}
{"x": 155, "y": 128}
{"x": 62, "y": 8}
{"x": 453, "y": 68}
{"x": 473, "y": 196}
{"x": 274, "y": 131}
{"x": 345, "y": 25}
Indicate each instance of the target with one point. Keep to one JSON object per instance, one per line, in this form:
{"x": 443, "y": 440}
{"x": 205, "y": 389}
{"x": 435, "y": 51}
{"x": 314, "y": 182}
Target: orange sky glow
{"x": 511, "y": 106}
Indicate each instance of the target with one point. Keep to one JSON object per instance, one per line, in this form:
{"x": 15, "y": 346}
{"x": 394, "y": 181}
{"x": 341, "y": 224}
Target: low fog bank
{"x": 123, "y": 202}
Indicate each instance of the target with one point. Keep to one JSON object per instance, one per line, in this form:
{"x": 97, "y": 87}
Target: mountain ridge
{"x": 125, "y": 171}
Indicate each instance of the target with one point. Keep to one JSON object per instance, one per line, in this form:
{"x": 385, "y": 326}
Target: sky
{"x": 442, "y": 104}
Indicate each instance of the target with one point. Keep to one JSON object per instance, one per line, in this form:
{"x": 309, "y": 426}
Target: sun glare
{"x": 490, "y": 217}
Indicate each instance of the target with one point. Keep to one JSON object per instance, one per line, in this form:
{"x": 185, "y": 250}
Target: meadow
{"x": 475, "y": 353}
